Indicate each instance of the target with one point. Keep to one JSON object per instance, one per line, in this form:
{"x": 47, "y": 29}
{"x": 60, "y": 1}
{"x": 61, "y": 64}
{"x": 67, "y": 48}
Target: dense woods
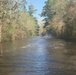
{"x": 60, "y": 18}
{"x": 15, "y": 21}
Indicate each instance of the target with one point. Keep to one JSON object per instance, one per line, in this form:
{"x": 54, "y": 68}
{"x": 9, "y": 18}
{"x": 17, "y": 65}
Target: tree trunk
{"x": 0, "y": 33}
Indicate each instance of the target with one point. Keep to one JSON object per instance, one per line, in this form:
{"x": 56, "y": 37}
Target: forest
{"x": 16, "y": 22}
{"x": 37, "y": 37}
{"x": 60, "y": 18}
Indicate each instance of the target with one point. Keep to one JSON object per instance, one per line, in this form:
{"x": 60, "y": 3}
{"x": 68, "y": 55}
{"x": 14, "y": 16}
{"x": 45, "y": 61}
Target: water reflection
{"x": 38, "y": 56}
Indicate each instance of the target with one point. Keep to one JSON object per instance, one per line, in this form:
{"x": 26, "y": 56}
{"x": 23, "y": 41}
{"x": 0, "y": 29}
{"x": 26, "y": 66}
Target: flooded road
{"x": 38, "y": 56}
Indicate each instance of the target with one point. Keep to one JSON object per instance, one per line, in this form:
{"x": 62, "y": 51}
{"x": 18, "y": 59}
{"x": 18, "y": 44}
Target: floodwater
{"x": 38, "y": 56}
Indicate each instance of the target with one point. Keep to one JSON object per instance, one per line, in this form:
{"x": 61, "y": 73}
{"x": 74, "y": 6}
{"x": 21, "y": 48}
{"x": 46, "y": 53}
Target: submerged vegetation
{"x": 15, "y": 21}
{"x": 60, "y": 18}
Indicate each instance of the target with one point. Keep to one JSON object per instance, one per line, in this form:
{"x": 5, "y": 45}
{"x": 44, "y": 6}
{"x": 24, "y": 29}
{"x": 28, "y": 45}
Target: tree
{"x": 32, "y": 9}
{"x": 14, "y": 20}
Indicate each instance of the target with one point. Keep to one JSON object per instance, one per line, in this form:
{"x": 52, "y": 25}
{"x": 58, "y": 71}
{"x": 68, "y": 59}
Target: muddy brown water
{"x": 38, "y": 56}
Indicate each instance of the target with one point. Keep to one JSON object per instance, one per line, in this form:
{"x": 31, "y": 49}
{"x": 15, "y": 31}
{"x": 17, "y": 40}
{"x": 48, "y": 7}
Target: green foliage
{"x": 60, "y": 15}
{"x": 15, "y": 21}
{"x": 32, "y": 9}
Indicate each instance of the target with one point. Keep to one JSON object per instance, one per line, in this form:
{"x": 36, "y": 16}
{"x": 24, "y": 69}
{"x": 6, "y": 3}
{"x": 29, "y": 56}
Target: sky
{"x": 38, "y": 4}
